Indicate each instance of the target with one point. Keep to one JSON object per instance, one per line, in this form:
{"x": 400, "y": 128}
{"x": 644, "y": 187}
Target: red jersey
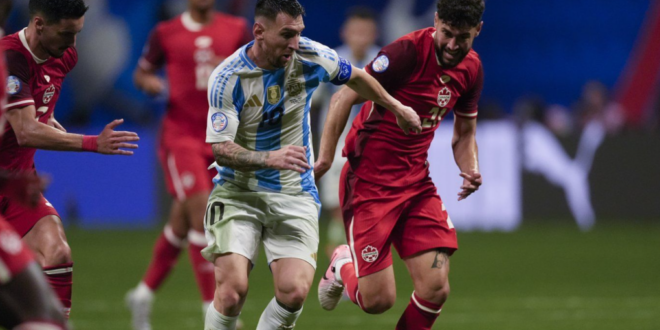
{"x": 30, "y": 81}
{"x": 190, "y": 51}
{"x": 3, "y": 91}
{"x": 377, "y": 149}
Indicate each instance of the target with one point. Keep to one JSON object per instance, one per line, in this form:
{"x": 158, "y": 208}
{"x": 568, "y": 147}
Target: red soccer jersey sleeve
{"x": 394, "y": 64}
{"x": 19, "y": 92}
{"x": 153, "y": 55}
{"x": 467, "y": 105}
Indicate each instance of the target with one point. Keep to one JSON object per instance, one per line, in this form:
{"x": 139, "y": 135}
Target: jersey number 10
{"x": 272, "y": 118}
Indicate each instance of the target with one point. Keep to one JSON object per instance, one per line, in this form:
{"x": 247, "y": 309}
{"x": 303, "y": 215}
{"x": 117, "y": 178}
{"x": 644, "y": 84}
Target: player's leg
{"x": 231, "y": 276}
{"x": 364, "y": 267}
{"x": 25, "y": 297}
{"x": 49, "y": 244}
{"x": 195, "y": 206}
{"x": 425, "y": 244}
{"x": 166, "y": 251}
{"x": 234, "y": 224}
{"x": 291, "y": 240}
{"x": 27, "y": 301}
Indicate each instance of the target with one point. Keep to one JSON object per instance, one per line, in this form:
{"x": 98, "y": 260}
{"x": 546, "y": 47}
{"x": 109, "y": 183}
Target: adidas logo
{"x": 254, "y": 101}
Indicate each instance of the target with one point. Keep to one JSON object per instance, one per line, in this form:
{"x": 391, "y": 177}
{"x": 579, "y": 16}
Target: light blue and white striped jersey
{"x": 264, "y": 110}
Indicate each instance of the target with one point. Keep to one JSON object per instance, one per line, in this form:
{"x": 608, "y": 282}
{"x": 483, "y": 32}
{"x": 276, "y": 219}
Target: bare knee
{"x": 231, "y": 296}
{"x": 436, "y": 292}
{"x": 292, "y": 294}
{"x": 378, "y": 302}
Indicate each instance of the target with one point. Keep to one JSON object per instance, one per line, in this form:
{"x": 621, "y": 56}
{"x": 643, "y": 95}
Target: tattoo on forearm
{"x": 238, "y": 158}
{"x": 440, "y": 260}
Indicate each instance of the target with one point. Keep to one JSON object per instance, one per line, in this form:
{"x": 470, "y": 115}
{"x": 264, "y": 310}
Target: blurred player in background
{"x": 259, "y": 128}
{"x": 26, "y": 300}
{"x": 359, "y": 33}
{"x": 387, "y": 195}
{"x": 38, "y": 59}
{"x": 189, "y": 47}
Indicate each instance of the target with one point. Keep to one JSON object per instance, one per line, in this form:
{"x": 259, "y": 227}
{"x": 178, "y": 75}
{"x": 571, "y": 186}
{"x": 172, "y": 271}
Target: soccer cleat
{"x": 330, "y": 289}
{"x": 140, "y": 308}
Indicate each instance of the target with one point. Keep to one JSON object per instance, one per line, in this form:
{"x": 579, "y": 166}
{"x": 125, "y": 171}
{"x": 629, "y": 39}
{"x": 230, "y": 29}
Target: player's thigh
{"x": 23, "y": 218}
{"x": 379, "y": 287}
{"x": 233, "y": 223}
{"x": 48, "y": 241}
{"x": 429, "y": 271}
{"x": 291, "y": 229}
{"x": 232, "y": 271}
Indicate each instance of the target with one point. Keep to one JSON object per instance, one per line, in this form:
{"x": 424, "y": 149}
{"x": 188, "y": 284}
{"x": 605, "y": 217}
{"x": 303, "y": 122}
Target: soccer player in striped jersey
{"x": 259, "y": 128}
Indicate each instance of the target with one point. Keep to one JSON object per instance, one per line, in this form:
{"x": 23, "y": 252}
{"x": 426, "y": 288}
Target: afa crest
{"x": 274, "y": 94}
{"x": 294, "y": 87}
{"x": 444, "y": 96}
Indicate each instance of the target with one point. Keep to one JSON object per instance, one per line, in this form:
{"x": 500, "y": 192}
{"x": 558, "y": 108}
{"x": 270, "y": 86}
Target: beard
{"x": 456, "y": 58}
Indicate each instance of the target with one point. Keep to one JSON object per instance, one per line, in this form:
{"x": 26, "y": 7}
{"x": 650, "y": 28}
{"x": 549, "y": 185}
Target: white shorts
{"x": 238, "y": 220}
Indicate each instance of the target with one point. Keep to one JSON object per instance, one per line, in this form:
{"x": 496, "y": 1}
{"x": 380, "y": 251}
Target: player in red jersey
{"x": 189, "y": 47}
{"x": 38, "y": 58}
{"x": 386, "y": 193}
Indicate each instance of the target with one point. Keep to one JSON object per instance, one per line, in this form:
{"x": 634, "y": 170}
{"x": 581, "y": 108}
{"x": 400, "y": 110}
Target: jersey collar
{"x": 189, "y": 23}
{"x": 21, "y": 35}
{"x": 435, "y": 52}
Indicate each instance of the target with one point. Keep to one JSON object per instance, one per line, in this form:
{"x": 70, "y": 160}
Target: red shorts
{"x": 185, "y": 167}
{"x": 412, "y": 218}
{"x": 14, "y": 254}
{"x": 22, "y": 217}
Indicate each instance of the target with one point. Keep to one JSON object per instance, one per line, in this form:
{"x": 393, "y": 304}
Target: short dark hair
{"x": 270, "y": 8}
{"x": 361, "y": 12}
{"x": 55, "y": 10}
{"x": 461, "y": 13}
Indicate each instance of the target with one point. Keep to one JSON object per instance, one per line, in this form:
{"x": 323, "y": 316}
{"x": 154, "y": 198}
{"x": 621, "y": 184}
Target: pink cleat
{"x": 330, "y": 289}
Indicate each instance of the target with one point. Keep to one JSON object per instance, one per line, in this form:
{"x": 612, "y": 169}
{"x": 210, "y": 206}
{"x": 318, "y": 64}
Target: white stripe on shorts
{"x": 176, "y": 179}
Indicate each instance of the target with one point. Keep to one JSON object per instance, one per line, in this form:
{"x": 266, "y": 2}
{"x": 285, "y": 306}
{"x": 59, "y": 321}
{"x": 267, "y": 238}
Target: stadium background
{"x": 529, "y": 257}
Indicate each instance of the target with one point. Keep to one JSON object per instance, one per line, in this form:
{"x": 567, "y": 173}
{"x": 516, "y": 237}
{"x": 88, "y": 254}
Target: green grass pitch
{"x": 540, "y": 277}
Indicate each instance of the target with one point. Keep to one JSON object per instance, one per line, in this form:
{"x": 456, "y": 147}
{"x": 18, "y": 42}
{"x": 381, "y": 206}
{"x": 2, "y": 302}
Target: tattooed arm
{"x": 234, "y": 156}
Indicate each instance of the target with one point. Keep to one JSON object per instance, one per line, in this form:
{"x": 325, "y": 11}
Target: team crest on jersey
{"x": 274, "y": 94}
{"x": 13, "y": 85}
{"x": 294, "y": 87}
{"x": 381, "y": 63}
{"x": 370, "y": 254}
{"x": 48, "y": 95}
{"x": 444, "y": 96}
{"x": 219, "y": 122}
{"x": 203, "y": 42}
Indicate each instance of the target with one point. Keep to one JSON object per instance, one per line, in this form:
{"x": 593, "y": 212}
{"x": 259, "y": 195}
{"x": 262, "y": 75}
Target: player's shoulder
{"x": 311, "y": 52}
{"x": 236, "y": 64}
{"x": 471, "y": 63}
{"x": 11, "y": 41}
{"x": 168, "y": 26}
{"x": 70, "y": 58}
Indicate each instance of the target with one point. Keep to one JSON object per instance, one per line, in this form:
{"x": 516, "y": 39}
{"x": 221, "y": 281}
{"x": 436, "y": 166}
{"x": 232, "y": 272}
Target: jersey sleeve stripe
{"x": 225, "y": 81}
{"x": 24, "y": 102}
{"x": 221, "y": 79}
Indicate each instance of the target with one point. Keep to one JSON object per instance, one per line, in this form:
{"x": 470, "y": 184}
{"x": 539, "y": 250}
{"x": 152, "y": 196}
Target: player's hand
{"x": 56, "y": 124}
{"x": 110, "y": 141}
{"x": 292, "y": 158}
{"x": 153, "y": 85}
{"x": 321, "y": 167}
{"x": 25, "y": 188}
{"x": 408, "y": 120}
{"x": 471, "y": 183}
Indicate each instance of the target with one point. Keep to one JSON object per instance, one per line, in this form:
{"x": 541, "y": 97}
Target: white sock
{"x": 143, "y": 292}
{"x": 338, "y": 264}
{"x": 216, "y": 321}
{"x": 276, "y": 317}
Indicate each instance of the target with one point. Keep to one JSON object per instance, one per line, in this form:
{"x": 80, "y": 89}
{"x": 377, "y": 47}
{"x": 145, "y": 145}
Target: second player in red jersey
{"x": 38, "y": 59}
{"x": 387, "y": 195}
{"x": 188, "y": 47}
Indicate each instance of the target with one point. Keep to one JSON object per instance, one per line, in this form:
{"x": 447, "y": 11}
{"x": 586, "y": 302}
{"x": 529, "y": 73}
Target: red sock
{"x": 347, "y": 272}
{"x": 203, "y": 269}
{"x": 166, "y": 251}
{"x": 60, "y": 278}
{"x": 419, "y": 315}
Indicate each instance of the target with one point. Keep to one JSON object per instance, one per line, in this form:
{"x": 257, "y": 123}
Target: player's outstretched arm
{"x": 34, "y": 134}
{"x": 335, "y": 121}
{"x": 234, "y": 156}
{"x": 368, "y": 87}
{"x": 464, "y": 145}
